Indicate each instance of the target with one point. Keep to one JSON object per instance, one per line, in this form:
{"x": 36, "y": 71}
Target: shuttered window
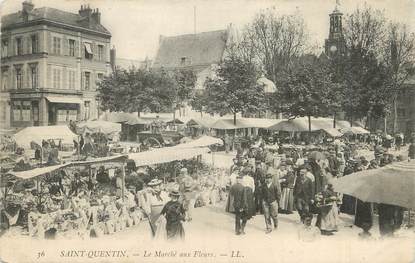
{"x": 71, "y": 47}
{"x": 88, "y": 50}
{"x": 57, "y": 78}
{"x": 56, "y": 45}
{"x": 19, "y": 78}
{"x": 19, "y": 46}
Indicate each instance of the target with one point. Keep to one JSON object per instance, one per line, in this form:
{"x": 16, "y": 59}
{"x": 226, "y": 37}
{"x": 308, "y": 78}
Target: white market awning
{"x": 165, "y": 155}
{"x": 333, "y": 132}
{"x": 37, "y": 171}
{"x": 48, "y": 169}
{"x": 88, "y": 48}
{"x": 55, "y": 99}
{"x": 39, "y": 133}
{"x": 203, "y": 141}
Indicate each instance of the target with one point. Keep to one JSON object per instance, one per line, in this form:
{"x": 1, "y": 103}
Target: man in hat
{"x": 175, "y": 214}
{"x": 259, "y": 179}
{"x": 303, "y": 194}
{"x": 271, "y": 193}
{"x": 152, "y": 202}
{"x": 234, "y": 166}
{"x": 240, "y": 205}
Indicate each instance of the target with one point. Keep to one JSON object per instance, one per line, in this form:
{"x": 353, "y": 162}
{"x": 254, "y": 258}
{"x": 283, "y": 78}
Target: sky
{"x": 136, "y": 25}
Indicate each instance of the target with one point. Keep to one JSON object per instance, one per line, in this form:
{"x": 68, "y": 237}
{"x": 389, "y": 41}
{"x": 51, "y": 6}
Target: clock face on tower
{"x": 333, "y": 48}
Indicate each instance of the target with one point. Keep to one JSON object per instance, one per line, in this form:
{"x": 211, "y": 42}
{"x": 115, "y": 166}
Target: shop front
{"x": 42, "y": 109}
{"x": 62, "y": 110}
{"x": 24, "y": 111}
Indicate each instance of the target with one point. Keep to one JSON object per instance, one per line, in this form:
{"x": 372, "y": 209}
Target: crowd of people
{"x": 269, "y": 178}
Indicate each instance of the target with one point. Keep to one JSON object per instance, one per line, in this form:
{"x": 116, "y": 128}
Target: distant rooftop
{"x": 87, "y": 18}
{"x": 191, "y": 50}
{"x": 130, "y": 63}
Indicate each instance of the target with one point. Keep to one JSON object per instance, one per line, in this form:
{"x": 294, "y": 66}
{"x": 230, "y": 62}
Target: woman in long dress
{"x": 152, "y": 201}
{"x": 287, "y": 196}
{"x": 328, "y": 218}
{"x": 175, "y": 214}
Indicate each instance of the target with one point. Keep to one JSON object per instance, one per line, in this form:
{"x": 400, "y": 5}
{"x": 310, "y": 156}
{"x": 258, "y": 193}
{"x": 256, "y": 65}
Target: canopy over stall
{"x": 205, "y": 122}
{"x": 118, "y": 117}
{"x": 370, "y": 185}
{"x": 165, "y": 155}
{"x": 354, "y": 130}
{"x": 24, "y": 137}
{"x": 301, "y": 124}
{"x": 6, "y": 131}
{"x": 294, "y": 125}
{"x": 99, "y": 126}
{"x": 48, "y": 169}
{"x": 333, "y": 132}
{"x": 38, "y": 171}
{"x": 228, "y": 124}
{"x": 203, "y": 141}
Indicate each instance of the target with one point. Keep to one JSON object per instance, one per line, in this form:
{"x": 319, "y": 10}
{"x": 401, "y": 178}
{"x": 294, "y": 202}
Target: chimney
{"x": 85, "y": 11}
{"x": 27, "y": 6}
{"x": 96, "y": 16}
{"x": 113, "y": 58}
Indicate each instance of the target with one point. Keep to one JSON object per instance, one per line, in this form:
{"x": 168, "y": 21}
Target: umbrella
{"x": 393, "y": 184}
{"x": 316, "y": 155}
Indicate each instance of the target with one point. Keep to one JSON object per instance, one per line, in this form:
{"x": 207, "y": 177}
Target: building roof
{"x": 130, "y": 63}
{"x": 54, "y": 15}
{"x": 198, "y": 49}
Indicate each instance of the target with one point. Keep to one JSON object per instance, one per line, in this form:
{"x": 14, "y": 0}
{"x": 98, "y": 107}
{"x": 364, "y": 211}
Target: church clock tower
{"x": 335, "y": 44}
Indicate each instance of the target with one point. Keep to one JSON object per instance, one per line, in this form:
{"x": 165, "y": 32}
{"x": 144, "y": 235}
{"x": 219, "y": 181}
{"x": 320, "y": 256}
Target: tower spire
{"x": 194, "y": 19}
{"x": 337, "y": 6}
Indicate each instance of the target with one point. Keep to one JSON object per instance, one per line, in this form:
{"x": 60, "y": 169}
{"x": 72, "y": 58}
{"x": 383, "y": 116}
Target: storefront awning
{"x": 63, "y": 100}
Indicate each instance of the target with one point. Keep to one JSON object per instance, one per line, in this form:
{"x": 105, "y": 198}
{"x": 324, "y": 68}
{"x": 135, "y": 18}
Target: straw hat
{"x": 174, "y": 193}
{"x": 154, "y": 182}
{"x": 106, "y": 199}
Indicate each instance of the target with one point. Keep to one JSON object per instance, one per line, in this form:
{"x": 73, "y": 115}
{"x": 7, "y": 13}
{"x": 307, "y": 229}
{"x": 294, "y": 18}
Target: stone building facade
{"x": 51, "y": 61}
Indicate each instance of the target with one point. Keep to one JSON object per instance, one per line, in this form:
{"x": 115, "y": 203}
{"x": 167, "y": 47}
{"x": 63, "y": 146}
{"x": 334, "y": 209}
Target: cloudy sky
{"x": 135, "y": 25}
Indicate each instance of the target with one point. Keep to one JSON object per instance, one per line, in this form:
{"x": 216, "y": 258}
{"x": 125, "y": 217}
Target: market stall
{"x": 37, "y": 134}
{"x": 105, "y": 127}
{"x": 165, "y": 155}
{"x": 66, "y": 199}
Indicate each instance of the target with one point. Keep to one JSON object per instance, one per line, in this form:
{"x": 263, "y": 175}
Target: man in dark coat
{"x": 271, "y": 196}
{"x": 411, "y": 151}
{"x": 318, "y": 177}
{"x": 303, "y": 194}
{"x": 240, "y": 205}
{"x": 259, "y": 179}
{"x": 386, "y": 219}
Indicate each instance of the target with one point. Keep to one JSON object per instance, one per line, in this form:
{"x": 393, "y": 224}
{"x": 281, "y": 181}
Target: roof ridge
{"x": 200, "y": 33}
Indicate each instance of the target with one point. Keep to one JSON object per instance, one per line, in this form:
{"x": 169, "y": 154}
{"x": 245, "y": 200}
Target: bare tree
{"x": 275, "y": 40}
{"x": 398, "y": 55}
{"x": 364, "y": 30}
{"x": 365, "y": 77}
